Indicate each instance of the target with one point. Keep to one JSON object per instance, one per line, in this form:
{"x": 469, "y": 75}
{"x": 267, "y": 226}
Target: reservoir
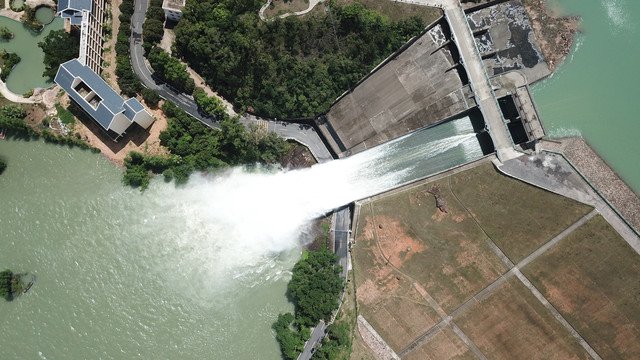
{"x": 594, "y": 92}
{"x": 193, "y": 272}
{"x": 27, "y": 74}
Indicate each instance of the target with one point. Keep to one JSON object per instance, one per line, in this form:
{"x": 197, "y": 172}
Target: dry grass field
{"x": 444, "y": 345}
{"x": 387, "y": 298}
{"x": 445, "y": 252}
{"x": 512, "y": 324}
{"x": 593, "y": 278}
{"x": 517, "y": 216}
{"x": 422, "y": 252}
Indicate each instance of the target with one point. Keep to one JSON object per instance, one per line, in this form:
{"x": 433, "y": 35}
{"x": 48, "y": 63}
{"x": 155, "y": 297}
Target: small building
{"x": 72, "y": 10}
{"x": 173, "y": 9}
{"x": 100, "y": 101}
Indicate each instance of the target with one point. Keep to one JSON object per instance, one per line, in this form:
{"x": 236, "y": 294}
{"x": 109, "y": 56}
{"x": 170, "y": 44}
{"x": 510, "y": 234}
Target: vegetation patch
{"x": 397, "y": 11}
{"x": 511, "y": 323}
{"x": 58, "y": 47}
{"x": 196, "y": 147}
{"x": 9, "y": 60}
{"x": 315, "y": 287}
{"x": 65, "y": 115}
{"x": 591, "y": 277}
{"x": 290, "y": 67}
{"x": 518, "y": 217}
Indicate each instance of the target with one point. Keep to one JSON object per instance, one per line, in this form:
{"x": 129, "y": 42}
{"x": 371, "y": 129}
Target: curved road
{"x": 303, "y": 134}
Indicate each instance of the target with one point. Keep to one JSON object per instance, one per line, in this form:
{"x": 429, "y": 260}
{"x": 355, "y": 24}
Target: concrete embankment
{"x": 605, "y": 179}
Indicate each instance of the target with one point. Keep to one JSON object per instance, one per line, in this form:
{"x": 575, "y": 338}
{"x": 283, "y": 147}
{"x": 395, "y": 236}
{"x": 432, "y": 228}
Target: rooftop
{"x": 173, "y": 4}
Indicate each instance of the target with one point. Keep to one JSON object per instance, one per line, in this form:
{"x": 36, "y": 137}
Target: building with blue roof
{"x": 100, "y": 101}
{"x": 72, "y": 9}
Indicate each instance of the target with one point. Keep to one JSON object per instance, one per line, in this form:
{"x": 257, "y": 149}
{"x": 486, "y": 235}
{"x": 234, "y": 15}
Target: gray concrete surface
{"x": 506, "y": 40}
{"x": 420, "y": 86}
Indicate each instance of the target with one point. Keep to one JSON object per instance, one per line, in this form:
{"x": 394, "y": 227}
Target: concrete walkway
{"x": 312, "y": 4}
{"x": 4, "y": 90}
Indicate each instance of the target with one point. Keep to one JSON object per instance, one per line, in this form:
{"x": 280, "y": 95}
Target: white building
{"x": 173, "y": 9}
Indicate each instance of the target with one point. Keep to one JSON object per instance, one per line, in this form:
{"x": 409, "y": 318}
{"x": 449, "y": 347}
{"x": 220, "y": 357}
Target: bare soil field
{"x": 445, "y": 252}
{"x": 387, "y": 298}
{"x": 592, "y": 278}
{"x": 512, "y": 324}
{"x": 444, "y": 345}
{"x": 518, "y": 217}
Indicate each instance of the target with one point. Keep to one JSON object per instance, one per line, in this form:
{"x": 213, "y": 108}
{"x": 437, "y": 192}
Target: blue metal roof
{"x": 72, "y": 9}
{"x": 111, "y": 103}
{"x": 78, "y": 5}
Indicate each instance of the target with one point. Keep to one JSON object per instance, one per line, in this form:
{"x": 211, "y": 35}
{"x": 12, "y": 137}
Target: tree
{"x": 3, "y": 165}
{"x": 316, "y": 286}
{"x": 5, "y": 283}
{"x": 152, "y": 31}
{"x": 151, "y": 97}
{"x": 5, "y": 33}
{"x": 58, "y": 47}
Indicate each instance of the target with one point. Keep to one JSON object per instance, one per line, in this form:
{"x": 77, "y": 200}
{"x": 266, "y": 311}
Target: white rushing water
{"x": 239, "y": 222}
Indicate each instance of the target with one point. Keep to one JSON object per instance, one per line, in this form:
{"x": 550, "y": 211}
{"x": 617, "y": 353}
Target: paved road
{"x": 303, "y": 134}
{"x": 316, "y": 338}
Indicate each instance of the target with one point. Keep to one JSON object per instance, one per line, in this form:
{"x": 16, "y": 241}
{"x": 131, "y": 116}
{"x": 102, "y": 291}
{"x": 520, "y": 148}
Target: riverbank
{"x": 603, "y": 177}
{"x": 555, "y": 33}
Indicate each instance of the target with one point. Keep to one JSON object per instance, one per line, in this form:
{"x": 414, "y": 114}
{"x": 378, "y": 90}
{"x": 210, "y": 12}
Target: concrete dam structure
{"x": 427, "y": 82}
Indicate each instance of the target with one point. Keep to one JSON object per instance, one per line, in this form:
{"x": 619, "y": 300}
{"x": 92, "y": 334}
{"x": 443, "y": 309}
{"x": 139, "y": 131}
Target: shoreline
{"x": 555, "y": 34}
{"x": 599, "y": 174}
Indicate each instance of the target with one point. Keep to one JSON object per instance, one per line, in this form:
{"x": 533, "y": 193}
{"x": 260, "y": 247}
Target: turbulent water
{"x": 197, "y": 271}
{"x": 593, "y": 93}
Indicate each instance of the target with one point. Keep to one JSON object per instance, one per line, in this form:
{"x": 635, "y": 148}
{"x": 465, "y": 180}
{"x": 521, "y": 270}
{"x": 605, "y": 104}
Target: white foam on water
{"x": 245, "y": 225}
{"x": 618, "y": 17}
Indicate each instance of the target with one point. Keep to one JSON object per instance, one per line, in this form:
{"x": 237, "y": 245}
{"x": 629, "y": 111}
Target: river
{"x": 593, "y": 92}
{"x": 190, "y": 272}
{"x": 200, "y": 271}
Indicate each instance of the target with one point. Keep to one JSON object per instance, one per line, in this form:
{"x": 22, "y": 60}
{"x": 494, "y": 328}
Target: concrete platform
{"x": 418, "y": 87}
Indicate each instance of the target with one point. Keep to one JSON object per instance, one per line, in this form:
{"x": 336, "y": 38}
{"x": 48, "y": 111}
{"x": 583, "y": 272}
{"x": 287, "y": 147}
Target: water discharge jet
{"x": 237, "y": 224}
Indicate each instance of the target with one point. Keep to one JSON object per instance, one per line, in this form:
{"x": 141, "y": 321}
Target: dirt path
{"x": 109, "y": 72}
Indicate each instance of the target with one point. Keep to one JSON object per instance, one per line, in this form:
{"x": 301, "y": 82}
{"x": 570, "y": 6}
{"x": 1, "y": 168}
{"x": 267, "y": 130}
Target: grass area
{"x": 398, "y": 11}
{"x": 445, "y": 252}
{"x": 517, "y": 216}
{"x": 591, "y": 277}
{"x": 279, "y": 7}
{"x": 443, "y": 345}
{"x": 512, "y": 324}
{"x": 65, "y": 115}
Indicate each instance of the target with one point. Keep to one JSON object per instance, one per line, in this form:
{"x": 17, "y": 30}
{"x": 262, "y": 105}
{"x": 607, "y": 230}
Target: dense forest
{"x": 315, "y": 287}
{"x": 290, "y": 67}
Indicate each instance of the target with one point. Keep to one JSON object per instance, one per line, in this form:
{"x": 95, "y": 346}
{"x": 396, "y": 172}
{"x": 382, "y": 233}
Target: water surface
{"x": 594, "y": 92}
{"x": 28, "y": 73}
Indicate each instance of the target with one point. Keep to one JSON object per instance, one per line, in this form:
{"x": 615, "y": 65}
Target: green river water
{"x": 123, "y": 274}
{"x": 28, "y": 73}
{"x": 593, "y": 92}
